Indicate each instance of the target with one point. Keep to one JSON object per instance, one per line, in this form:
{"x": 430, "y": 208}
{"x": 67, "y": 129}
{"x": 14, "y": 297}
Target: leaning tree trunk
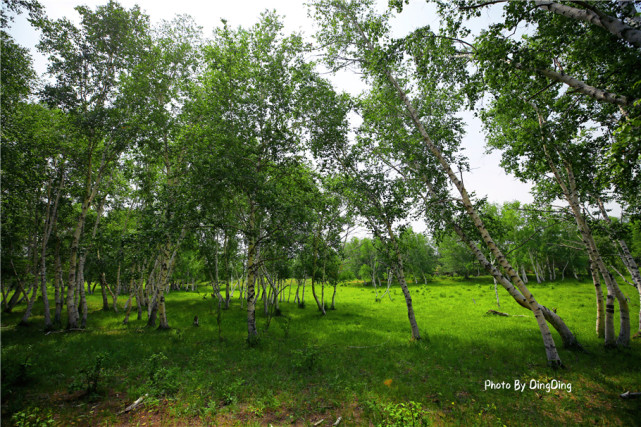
{"x": 550, "y": 348}
{"x": 400, "y": 274}
{"x": 568, "y": 338}
{"x": 165, "y": 275}
{"x": 570, "y": 193}
{"x": 612, "y": 24}
{"x": 627, "y": 259}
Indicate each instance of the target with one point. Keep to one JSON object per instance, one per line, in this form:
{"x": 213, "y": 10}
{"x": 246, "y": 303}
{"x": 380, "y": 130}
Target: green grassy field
{"x": 357, "y": 363}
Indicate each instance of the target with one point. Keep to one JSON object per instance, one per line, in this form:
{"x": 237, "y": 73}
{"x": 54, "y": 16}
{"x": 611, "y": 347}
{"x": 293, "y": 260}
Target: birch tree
{"x": 87, "y": 63}
{"x": 355, "y": 32}
{"x": 253, "y": 97}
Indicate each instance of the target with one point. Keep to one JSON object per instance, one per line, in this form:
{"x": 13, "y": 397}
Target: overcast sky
{"x": 486, "y": 178}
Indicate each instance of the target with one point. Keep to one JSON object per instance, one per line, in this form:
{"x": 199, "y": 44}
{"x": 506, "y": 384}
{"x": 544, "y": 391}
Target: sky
{"x": 486, "y": 177}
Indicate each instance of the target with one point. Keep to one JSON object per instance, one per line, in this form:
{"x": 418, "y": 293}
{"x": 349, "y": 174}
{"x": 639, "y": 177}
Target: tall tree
{"x": 88, "y": 62}
{"x": 354, "y": 31}
{"x": 249, "y": 124}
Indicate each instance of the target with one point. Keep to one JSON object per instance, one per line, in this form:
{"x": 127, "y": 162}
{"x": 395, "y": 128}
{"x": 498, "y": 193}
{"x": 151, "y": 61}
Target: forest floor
{"x": 357, "y": 363}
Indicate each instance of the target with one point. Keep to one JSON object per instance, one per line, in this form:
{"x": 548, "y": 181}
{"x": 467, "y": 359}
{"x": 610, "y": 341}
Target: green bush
{"x": 89, "y": 377}
{"x": 399, "y": 414}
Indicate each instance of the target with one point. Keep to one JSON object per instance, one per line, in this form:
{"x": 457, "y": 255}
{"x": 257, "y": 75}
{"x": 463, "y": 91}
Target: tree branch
{"x": 582, "y": 87}
{"x": 477, "y": 6}
{"x": 593, "y": 16}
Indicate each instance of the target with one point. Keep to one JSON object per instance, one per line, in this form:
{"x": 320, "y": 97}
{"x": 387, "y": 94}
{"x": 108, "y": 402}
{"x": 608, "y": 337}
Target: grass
{"x": 357, "y": 362}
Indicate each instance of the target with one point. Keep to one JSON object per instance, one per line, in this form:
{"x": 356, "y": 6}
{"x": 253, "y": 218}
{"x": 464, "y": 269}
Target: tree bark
{"x": 91, "y": 189}
{"x": 51, "y": 218}
{"x": 252, "y": 267}
{"x": 103, "y": 290}
{"x": 550, "y": 348}
{"x": 400, "y": 274}
{"x": 593, "y": 16}
{"x": 581, "y": 86}
{"x": 568, "y": 338}
{"x": 600, "y": 307}
{"x": 626, "y": 257}
{"x": 30, "y": 302}
{"x": 570, "y": 193}
{"x": 59, "y": 287}
{"x": 81, "y": 288}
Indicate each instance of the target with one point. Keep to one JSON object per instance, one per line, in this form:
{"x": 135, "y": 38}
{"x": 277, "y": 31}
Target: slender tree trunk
{"x": 626, "y": 257}
{"x": 81, "y": 288}
{"x": 570, "y": 193}
{"x": 169, "y": 259}
{"x": 103, "y": 290}
{"x": 612, "y": 24}
{"x": 550, "y": 348}
{"x": 140, "y": 301}
{"x": 263, "y": 286}
{"x": 43, "y": 265}
{"x": 114, "y": 296}
{"x": 252, "y": 270}
{"x": 128, "y": 306}
{"x": 13, "y": 301}
{"x": 318, "y": 305}
{"x": 72, "y": 309}
{"x": 5, "y": 293}
{"x": 152, "y": 311}
{"x": 59, "y": 288}
{"x": 30, "y": 302}
{"x": 333, "y": 307}
{"x": 563, "y": 271}
{"x": 400, "y": 274}
{"x": 601, "y": 320}
{"x": 162, "y": 311}
{"x": 227, "y": 296}
{"x": 83, "y": 304}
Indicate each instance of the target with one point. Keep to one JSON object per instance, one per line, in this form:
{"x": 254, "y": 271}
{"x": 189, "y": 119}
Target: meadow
{"x": 357, "y": 363}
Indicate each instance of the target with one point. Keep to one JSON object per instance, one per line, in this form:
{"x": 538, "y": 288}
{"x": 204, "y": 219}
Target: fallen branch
{"x": 317, "y": 423}
{"x": 338, "y": 421}
{"x": 134, "y": 405}
{"x": 500, "y": 313}
{"x": 628, "y": 395}
{"x": 65, "y": 330}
